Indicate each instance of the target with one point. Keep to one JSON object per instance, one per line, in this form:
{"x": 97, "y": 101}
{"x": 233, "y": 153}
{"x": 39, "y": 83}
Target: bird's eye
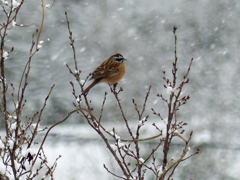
{"x": 118, "y": 58}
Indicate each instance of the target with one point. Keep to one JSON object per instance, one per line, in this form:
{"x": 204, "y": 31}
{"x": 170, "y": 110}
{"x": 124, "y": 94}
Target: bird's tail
{"x": 91, "y": 85}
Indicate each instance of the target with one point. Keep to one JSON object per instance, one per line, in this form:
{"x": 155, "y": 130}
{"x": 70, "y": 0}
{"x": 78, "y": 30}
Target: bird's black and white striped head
{"x": 118, "y": 58}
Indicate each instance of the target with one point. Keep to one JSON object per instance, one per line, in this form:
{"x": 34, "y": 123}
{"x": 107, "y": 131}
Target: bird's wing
{"x": 105, "y": 70}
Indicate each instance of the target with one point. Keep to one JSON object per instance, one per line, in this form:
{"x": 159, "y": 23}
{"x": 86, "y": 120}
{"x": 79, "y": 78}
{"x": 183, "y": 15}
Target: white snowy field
{"x": 83, "y": 153}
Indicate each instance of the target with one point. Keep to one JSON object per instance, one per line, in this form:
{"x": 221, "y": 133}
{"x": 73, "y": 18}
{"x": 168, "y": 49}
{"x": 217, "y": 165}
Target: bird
{"x": 110, "y": 71}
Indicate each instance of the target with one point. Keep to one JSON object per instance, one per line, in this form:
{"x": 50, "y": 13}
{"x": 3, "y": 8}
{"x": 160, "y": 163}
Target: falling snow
{"x": 142, "y": 31}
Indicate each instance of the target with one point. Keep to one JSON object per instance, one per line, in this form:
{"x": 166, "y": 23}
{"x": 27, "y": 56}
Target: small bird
{"x": 110, "y": 71}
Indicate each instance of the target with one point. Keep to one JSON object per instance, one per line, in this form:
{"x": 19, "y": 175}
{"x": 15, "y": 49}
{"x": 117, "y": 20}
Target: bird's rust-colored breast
{"x": 118, "y": 75}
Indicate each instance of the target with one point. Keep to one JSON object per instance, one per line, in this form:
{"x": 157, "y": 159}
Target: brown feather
{"x": 110, "y": 71}
{"x": 107, "y": 68}
{"x": 91, "y": 85}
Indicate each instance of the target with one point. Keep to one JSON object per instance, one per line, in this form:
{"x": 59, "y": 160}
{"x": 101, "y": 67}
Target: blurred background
{"x": 208, "y": 32}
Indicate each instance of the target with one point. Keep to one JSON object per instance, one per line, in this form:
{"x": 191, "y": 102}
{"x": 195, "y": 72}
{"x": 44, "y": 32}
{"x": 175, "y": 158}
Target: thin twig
{"x": 104, "y": 100}
{"x": 72, "y": 43}
{"x": 39, "y": 118}
{"x": 145, "y": 101}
